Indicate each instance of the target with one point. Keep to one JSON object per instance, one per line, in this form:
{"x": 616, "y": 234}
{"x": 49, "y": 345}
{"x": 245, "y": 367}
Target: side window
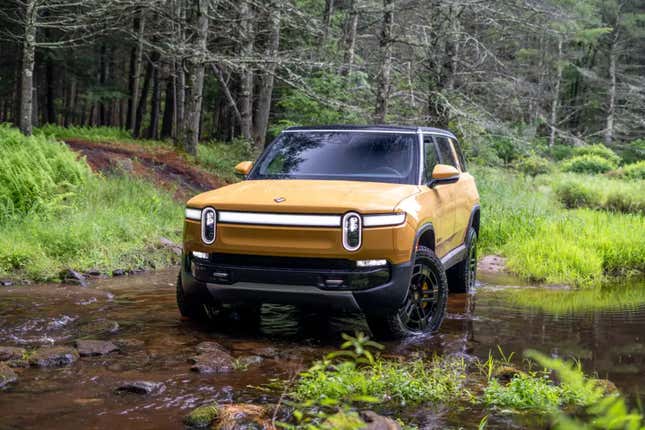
{"x": 446, "y": 154}
{"x": 430, "y": 157}
{"x": 460, "y": 155}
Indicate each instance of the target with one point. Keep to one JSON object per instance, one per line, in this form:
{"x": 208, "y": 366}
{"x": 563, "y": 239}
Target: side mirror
{"x": 443, "y": 174}
{"x": 243, "y": 168}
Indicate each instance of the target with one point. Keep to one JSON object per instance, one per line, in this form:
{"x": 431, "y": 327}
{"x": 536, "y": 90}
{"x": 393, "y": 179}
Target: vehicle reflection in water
{"x": 139, "y": 314}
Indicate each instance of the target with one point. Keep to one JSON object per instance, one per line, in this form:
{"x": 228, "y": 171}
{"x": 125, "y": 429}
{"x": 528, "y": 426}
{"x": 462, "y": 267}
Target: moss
{"x": 202, "y": 416}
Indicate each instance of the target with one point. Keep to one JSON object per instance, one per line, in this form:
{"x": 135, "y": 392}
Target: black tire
{"x": 188, "y": 308}
{"x": 424, "y": 306}
{"x": 462, "y": 276}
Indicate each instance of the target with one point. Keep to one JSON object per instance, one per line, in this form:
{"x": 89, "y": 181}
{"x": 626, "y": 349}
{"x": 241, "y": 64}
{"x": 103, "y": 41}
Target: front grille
{"x": 298, "y": 263}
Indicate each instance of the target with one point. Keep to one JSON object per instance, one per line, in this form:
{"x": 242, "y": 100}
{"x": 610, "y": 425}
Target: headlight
{"x": 352, "y": 231}
{"x": 194, "y": 214}
{"x": 209, "y": 225}
{"x": 382, "y": 220}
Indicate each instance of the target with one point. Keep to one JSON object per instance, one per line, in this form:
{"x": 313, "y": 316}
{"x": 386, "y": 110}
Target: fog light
{"x": 202, "y": 255}
{"x": 370, "y": 263}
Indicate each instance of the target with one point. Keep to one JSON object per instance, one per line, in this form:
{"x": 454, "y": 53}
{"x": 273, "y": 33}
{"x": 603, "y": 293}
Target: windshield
{"x": 354, "y": 156}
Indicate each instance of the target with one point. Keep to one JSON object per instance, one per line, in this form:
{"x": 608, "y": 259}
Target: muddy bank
{"x": 136, "y": 356}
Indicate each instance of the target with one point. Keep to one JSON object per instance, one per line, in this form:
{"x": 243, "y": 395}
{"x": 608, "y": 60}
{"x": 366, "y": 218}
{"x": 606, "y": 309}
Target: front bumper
{"x": 319, "y": 283}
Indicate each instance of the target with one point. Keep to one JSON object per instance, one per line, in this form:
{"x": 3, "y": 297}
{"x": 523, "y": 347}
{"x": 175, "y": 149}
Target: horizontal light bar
{"x": 202, "y": 255}
{"x": 370, "y": 263}
{"x": 279, "y": 219}
{"x": 194, "y": 214}
{"x": 383, "y": 220}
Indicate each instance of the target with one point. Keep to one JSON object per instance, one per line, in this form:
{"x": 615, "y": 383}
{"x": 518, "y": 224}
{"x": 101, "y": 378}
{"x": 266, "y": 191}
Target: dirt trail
{"x": 162, "y": 166}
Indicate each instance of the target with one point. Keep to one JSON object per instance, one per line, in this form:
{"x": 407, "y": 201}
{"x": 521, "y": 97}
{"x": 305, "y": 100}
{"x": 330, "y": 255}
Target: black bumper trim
{"x": 387, "y": 296}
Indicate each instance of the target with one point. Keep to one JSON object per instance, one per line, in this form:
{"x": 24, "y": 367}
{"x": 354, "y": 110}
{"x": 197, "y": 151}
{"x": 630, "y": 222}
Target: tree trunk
{"x": 169, "y": 109}
{"x": 611, "y": 109}
{"x": 329, "y": 13}
{"x": 51, "y": 91}
{"x": 136, "y": 61}
{"x": 197, "y": 62}
{"x": 143, "y": 99}
{"x": 246, "y": 77}
{"x": 263, "y": 107}
{"x": 153, "y": 129}
{"x": 385, "y": 44}
{"x": 27, "y": 73}
{"x": 556, "y": 94}
{"x": 350, "y": 40}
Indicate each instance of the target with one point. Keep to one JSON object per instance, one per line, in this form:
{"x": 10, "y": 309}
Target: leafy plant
{"x": 533, "y": 165}
{"x": 588, "y": 164}
{"x": 598, "y": 150}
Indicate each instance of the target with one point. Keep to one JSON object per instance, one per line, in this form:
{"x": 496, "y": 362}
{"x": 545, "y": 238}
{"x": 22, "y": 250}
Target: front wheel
{"x": 424, "y": 306}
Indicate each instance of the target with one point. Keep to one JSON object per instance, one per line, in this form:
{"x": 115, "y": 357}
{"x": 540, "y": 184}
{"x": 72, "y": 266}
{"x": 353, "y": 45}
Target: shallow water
{"x": 610, "y": 343}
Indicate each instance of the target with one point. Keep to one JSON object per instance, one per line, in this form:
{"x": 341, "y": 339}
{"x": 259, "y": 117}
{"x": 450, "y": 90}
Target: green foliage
{"x": 607, "y": 411}
{"x": 220, "y": 158}
{"x": 632, "y": 171}
{"x": 36, "y": 173}
{"x": 94, "y": 134}
{"x": 545, "y": 243}
{"x": 329, "y": 100}
{"x": 596, "y": 192}
{"x": 599, "y": 150}
{"x": 559, "y": 152}
{"x": 588, "y": 164}
{"x": 533, "y": 165}
{"x": 57, "y": 215}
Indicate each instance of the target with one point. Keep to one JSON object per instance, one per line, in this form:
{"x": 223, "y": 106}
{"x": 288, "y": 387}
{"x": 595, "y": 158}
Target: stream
{"x": 139, "y": 315}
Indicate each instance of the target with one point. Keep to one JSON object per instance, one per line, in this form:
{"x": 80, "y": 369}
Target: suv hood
{"x": 306, "y": 196}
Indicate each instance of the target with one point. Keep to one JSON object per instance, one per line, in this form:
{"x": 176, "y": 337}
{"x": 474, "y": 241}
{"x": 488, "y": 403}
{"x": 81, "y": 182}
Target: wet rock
{"x": 169, "y": 244}
{"x": 95, "y": 347}
{"x": 5, "y": 283}
{"x": 118, "y": 272}
{"x": 129, "y": 343}
{"x": 70, "y": 276}
{"x": 202, "y": 416}
{"x": 7, "y": 375}
{"x": 250, "y": 360}
{"x": 99, "y": 327}
{"x": 212, "y": 358}
{"x": 94, "y": 272}
{"x": 54, "y": 356}
{"x": 243, "y": 416}
{"x": 607, "y": 386}
{"x": 506, "y": 373}
{"x": 17, "y": 364}
{"x": 375, "y": 421}
{"x": 257, "y": 348}
{"x": 140, "y": 387}
{"x": 11, "y": 353}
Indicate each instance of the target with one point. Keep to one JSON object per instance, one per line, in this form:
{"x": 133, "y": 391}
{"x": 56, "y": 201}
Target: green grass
{"x": 94, "y": 134}
{"x": 598, "y": 192}
{"x": 220, "y": 158}
{"x": 404, "y": 383}
{"x": 86, "y": 222}
{"x": 522, "y": 219}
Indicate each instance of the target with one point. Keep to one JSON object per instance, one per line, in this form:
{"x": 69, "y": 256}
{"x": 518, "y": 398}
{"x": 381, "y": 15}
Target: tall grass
{"x": 62, "y": 216}
{"x": 522, "y": 219}
{"x": 94, "y": 134}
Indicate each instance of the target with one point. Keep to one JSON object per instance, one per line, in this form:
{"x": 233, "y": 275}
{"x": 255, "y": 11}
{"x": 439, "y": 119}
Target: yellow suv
{"x": 374, "y": 219}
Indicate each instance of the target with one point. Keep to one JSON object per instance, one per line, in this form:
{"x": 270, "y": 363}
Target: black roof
{"x": 392, "y": 128}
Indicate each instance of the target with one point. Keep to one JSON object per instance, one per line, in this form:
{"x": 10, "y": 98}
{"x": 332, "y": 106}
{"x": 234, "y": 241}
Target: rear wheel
{"x": 424, "y": 306}
{"x": 461, "y": 277}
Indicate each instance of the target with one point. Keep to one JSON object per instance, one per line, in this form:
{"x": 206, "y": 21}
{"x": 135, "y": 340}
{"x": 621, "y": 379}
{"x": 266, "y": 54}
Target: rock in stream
{"x": 95, "y": 347}
{"x": 54, "y": 356}
{"x": 7, "y": 375}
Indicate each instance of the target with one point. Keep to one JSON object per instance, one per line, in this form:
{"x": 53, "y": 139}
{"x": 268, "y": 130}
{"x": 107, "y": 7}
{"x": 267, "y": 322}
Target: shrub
{"x": 599, "y": 150}
{"x": 533, "y": 165}
{"x": 633, "y": 171}
{"x": 36, "y": 172}
{"x": 576, "y": 195}
{"x": 588, "y": 164}
{"x": 560, "y": 152}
